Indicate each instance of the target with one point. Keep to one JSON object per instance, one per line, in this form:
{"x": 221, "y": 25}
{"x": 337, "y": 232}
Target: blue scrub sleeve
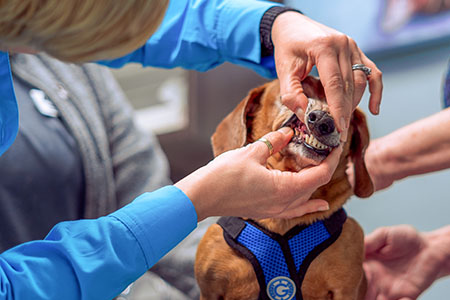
{"x": 9, "y": 114}
{"x": 97, "y": 259}
{"x": 203, "y": 34}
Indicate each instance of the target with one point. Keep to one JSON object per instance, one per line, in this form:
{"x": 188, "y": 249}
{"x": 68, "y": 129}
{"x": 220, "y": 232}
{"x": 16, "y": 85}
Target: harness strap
{"x": 281, "y": 257}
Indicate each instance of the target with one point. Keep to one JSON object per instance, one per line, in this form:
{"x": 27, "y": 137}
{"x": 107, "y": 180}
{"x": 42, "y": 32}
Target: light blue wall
{"x": 412, "y": 90}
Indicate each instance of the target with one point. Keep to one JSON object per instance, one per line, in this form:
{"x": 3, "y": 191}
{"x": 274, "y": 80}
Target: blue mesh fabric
{"x": 304, "y": 242}
{"x": 267, "y": 251}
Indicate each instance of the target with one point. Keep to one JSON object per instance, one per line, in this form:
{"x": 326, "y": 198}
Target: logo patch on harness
{"x": 281, "y": 288}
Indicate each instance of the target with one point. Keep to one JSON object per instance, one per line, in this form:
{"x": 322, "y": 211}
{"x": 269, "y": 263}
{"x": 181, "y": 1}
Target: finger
{"x": 339, "y": 102}
{"x": 359, "y": 78}
{"x": 375, "y": 85}
{"x": 375, "y": 241}
{"x": 345, "y": 64}
{"x": 372, "y": 290}
{"x": 297, "y": 102}
{"x": 278, "y": 139}
{"x": 309, "y": 179}
{"x": 321, "y": 174}
{"x": 350, "y": 173}
{"x": 291, "y": 89}
{"x": 300, "y": 208}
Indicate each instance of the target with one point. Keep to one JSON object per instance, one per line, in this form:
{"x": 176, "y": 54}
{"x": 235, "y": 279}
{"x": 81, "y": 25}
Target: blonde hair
{"x": 80, "y": 30}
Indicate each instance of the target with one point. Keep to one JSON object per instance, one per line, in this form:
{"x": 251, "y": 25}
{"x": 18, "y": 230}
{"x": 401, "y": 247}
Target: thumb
{"x": 375, "y": 241}
{"x": 276, "y": 140}
{"x": 297, "y": 102}
{"x": 310, "y": 206}
{"x": 292, "y": 92}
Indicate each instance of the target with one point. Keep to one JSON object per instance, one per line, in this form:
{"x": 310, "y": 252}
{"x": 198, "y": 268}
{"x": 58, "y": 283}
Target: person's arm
{"x": 401, "y": 263}
{"x": 419, "y": 148}
{"x": 97, "y": 259}
{"x": 205, "y": 34}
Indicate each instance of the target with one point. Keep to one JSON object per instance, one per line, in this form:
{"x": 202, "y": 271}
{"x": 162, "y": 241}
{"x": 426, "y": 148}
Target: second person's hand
{"x": 401, "y": 262}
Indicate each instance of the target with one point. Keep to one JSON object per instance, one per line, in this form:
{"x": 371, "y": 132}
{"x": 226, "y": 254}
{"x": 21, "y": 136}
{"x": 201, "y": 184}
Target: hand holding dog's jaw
{"x": 237, "y": 183}
{"x": 300, "y": 43}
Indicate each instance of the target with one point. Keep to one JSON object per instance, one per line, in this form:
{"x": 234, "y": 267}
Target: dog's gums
{"x": 303, "y": 136}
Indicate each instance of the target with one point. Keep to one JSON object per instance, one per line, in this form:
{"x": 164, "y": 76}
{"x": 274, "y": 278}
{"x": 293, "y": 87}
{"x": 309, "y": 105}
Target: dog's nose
{"x": 320, "y": 122}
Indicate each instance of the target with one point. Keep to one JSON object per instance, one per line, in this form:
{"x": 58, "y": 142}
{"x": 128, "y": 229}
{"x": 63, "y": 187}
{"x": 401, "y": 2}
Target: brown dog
{"x": 335, "y": 273}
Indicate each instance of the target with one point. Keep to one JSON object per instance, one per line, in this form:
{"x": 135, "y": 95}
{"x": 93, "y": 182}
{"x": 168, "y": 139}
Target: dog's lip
{"x": 301, "y": 133}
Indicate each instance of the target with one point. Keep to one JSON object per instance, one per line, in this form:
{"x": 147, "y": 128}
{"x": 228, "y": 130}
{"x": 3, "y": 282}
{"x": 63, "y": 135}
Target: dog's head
{"x": 315, "y": 137}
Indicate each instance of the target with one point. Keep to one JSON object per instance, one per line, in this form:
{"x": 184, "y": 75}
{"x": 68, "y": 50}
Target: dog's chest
{"x": 280, "y": 262}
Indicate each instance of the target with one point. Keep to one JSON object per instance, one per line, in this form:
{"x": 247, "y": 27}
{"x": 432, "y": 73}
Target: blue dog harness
{"x": 281, "y": 261}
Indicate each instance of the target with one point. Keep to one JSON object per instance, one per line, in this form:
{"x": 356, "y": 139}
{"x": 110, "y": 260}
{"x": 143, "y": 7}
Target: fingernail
{"x": 344, "y": 135}
{"x": 323, "y": 208}
{"x": 378, "y": 109}
{"x": 285, "y": 130}
{"x": 343, "y": 124}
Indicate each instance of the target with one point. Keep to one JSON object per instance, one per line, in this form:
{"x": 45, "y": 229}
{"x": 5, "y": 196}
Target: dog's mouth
{"x": 302, "y": 136}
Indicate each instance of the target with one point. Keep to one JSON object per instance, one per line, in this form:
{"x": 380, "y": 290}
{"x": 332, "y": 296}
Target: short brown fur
{"x": 337, "y": 272}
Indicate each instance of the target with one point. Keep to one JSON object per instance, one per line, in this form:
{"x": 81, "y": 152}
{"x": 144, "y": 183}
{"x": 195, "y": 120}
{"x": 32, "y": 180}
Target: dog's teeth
{"x": 312, "y": 141}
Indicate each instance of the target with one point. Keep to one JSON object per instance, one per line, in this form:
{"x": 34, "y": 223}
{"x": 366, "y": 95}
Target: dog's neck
{"x": 336, "y": 192}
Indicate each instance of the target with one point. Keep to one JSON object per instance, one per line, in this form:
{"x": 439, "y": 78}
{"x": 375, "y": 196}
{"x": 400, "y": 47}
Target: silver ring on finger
{"x": 363, "y": 68}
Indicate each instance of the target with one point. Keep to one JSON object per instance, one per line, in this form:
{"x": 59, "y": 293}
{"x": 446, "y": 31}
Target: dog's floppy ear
{"x": 231, "y": 133}
{"x": 363, "y": 186}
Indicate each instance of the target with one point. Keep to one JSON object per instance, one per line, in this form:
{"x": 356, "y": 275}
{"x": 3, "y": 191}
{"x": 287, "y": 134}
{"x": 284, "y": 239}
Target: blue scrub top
{"x": 9, "y": 114}
{"x": 229, "y": 32}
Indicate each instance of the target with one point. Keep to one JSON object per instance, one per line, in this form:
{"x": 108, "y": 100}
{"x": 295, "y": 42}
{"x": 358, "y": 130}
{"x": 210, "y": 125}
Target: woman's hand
{"x": 299, "y": 44}
{"x": 401, "y": 263}
{"x": 237, "y": 183}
